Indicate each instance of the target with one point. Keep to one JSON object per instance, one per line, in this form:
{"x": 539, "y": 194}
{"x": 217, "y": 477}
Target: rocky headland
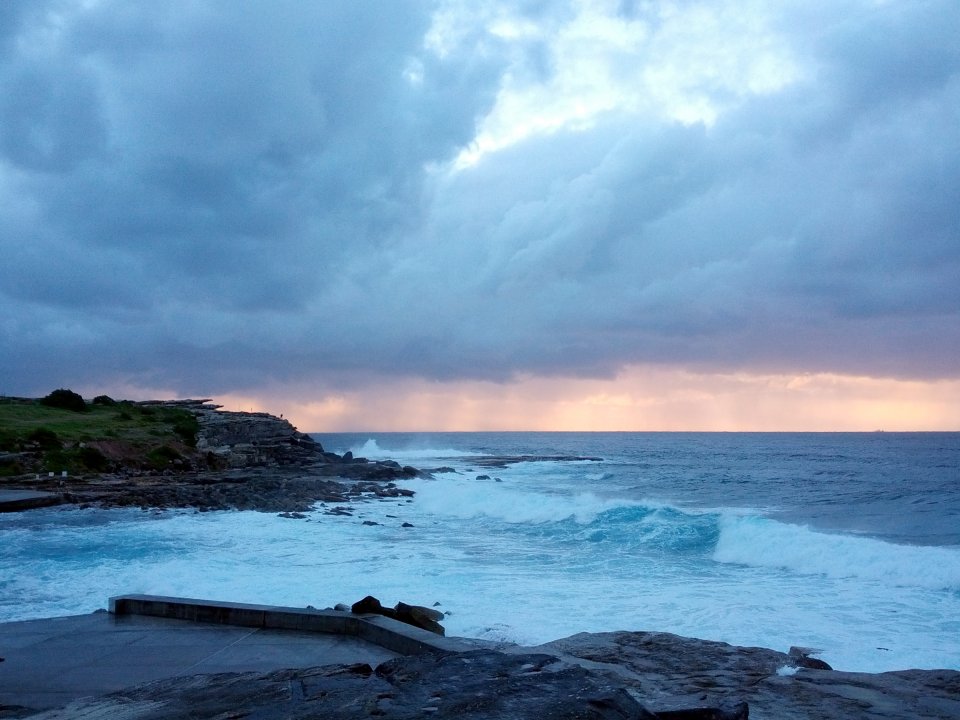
{"x": 205, "y": 458}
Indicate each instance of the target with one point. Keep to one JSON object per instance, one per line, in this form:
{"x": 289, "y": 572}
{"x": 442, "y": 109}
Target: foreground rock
{"x": 675, "y": 671}
{"x": 479, "y": 685}
{"x": 636, "y": 675}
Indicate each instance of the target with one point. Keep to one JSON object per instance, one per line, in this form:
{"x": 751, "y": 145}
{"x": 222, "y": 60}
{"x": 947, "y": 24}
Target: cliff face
{"x": 240, "y": 439}
{"x": 191, "y": 453}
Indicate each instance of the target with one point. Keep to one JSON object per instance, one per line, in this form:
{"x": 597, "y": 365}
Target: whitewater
{"x": 847, "y": 543}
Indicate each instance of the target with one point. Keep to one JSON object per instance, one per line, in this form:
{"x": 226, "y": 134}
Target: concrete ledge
{"x": 383, "y": 631}
{"x": 406, "y": 639}
{"x": 18, "y": 500}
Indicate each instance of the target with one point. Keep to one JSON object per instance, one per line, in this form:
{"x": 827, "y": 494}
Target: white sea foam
{"x": 543, "y": 554}
{"x": 465, "y": 498}
{"x": 761, "y": 542}
{"x": 371, "y": 449}
{"x": 504, "y": 576}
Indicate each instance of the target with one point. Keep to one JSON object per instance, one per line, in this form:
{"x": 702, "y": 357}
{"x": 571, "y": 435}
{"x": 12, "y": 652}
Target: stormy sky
{"x": 462, "y": 214}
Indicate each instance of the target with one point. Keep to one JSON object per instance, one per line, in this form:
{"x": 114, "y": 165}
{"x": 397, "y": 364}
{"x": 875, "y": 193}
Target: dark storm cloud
{"x": 179, "y": 176}
{"x": 207, "y": 196}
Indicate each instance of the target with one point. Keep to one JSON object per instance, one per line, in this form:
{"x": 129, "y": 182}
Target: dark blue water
{"x": 845, "y": 542}
{"x": 902, "y": 487}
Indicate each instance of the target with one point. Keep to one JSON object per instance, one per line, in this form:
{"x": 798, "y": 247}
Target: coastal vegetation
{"x": 62, "y": 432}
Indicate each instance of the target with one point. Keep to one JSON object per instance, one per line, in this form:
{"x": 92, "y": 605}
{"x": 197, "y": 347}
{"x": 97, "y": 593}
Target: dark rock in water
{"x": 416, "y": 615}
{"x": 406, "y": 524}
{"x": 442, "y": 470}
{"x": 483, "y": 477}
{"x": 429, "y": 612}
{"x": 292, "y": 515}
{"x": 368, "y": 606}
{"x": 370, "y": 522}
{"x": 502, "y": 461}
{"x": 801, "y": 658}
{"x": 421, "y": 617}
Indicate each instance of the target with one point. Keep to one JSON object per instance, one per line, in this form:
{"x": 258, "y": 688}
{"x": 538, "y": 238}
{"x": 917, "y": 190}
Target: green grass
{"x": 125, "y": 420}
{"x": 28, "y": 425}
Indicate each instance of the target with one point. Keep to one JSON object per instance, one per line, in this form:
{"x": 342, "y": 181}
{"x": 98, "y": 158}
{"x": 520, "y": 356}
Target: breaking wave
{"x": 761, "y": 542}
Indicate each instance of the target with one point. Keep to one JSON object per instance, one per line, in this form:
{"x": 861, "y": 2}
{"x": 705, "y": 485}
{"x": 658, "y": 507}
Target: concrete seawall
{"x": 49, "y": 662}
{"x": 19, "y": 500}
{"x": 385, "y": 632}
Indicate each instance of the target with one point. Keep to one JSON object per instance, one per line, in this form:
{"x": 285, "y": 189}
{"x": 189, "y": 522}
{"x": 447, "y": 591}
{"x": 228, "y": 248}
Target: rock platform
{"x": 278, "y": 663}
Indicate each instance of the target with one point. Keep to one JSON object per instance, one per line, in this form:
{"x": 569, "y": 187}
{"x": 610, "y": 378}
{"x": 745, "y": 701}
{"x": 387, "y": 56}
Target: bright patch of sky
{"x": 673, "y": 61}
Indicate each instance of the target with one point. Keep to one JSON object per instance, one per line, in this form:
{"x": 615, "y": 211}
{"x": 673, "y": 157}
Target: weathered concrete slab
{"x": 48, "y": 663}
{"x": 386, "y": 632}
{"x": 17, "y": 500}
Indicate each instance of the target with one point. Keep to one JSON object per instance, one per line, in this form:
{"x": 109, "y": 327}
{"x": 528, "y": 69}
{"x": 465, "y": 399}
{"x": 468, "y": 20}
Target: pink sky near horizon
{"x": 638, "y": 399}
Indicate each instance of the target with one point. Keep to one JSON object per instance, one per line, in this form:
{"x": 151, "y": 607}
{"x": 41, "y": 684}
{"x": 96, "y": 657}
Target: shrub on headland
{"x": 92, "y": 459}
{"x": 186, "y": 426}
{"x": 66, "y": 400}
{"x": 104, "y": 400}
{"x": 44, "y": 438}
{"x": 162, "y": 457}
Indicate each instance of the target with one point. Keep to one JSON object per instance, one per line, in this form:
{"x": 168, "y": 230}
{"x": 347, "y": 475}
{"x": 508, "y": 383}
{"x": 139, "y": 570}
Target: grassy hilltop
{"x": 64, "y": 432}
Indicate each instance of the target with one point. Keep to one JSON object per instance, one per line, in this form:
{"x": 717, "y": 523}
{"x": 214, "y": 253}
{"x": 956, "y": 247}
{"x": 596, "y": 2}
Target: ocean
{"x": 847, "y": 543}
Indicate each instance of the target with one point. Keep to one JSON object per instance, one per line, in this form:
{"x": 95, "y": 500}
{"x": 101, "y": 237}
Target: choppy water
{"x": 845, "y": 542}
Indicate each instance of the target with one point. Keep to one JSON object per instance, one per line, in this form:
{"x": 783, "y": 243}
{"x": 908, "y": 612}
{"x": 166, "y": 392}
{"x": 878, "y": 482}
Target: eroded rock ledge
{"x": 241, "y": 461}
{"x": 624, "y": 675}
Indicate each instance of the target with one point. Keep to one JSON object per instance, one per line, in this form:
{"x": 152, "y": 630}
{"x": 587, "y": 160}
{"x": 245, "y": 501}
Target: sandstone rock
{"x": 605, "y": 676}
{"x": 675, "y": 672}
{"x": 370, "y": 606}
{"x": 801, "y": 658}
{"x": 419, "y": 616}
{"x": 479, "y": 685}
{"x": 416, "y": 615}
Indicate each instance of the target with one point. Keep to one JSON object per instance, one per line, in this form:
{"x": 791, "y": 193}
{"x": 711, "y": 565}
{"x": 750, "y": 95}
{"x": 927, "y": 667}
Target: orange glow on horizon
{"x": 639, "y": 399}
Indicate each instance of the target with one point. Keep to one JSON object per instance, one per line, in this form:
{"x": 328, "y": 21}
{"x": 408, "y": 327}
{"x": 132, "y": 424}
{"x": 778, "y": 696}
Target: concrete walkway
{"x": 48, "y": 663}
{"x": 17, "y": 500}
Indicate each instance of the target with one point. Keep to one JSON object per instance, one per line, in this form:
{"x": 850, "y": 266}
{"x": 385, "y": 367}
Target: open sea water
{"x": 848, "y": 543}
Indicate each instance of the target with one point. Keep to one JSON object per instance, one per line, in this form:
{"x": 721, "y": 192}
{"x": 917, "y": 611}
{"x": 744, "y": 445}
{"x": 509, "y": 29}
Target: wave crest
{"x": 372, "y": 450}
{"x": 761, "y": 542}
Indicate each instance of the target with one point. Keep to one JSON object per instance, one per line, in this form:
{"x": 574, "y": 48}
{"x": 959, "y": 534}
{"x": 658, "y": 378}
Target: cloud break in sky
{"x": 569, "y": 214}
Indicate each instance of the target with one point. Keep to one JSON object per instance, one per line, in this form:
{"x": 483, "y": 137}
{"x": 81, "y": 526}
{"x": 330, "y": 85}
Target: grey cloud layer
{"x": 204, "y": 197}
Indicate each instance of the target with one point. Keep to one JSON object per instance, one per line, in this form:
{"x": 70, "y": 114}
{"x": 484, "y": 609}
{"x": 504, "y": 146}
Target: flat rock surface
{"x": 16, "y": 500}
{"x": 608, "y": 675}
{"x": 272, "y": 489}
{"x": 479, "y": 684}
{"x": 667, "y": 669}
{"x": 51, "y": 662}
